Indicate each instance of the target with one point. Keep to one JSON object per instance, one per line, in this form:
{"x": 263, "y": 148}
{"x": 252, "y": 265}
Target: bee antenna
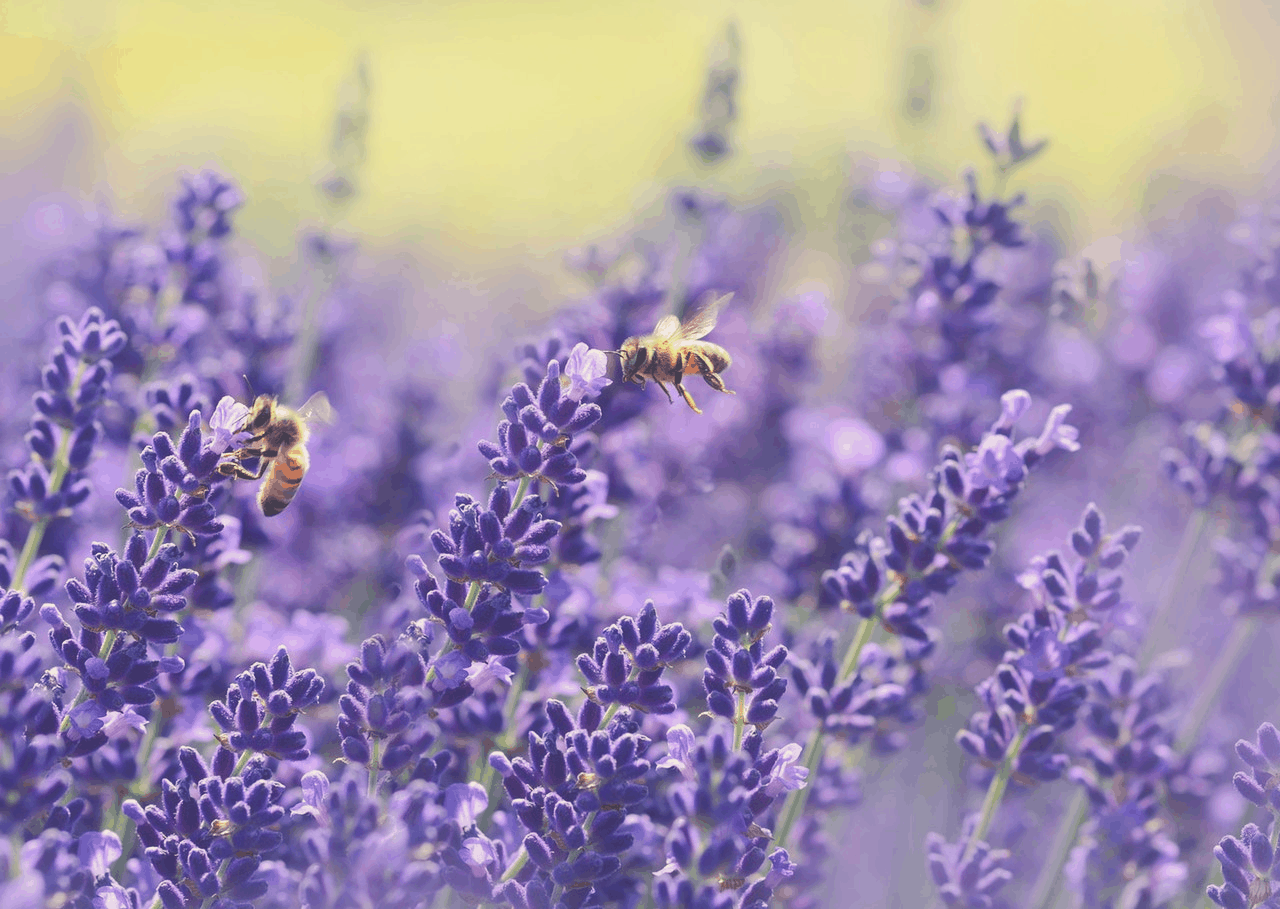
{"x": 248, "y": 385}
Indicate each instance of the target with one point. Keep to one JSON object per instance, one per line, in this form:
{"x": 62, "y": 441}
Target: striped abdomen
{"x": 283, "y": 480}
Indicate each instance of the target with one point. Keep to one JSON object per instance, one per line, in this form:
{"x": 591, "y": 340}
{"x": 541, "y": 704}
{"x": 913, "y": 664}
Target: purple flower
{"x": 680, "y": 742}
{"x": 226, "y": 425}
{"x": 788, "y": 774}
{"x": 97, "y": 851}
{"x": 464, "y": 802}
{"x": 171, "y": 491}
{"x": 479, "y": 854}
{"x": 967, "y": 874}
{"x": 65, "y": 428}
{"x": 585, "y": 373}
{"x": 262, "y": 706}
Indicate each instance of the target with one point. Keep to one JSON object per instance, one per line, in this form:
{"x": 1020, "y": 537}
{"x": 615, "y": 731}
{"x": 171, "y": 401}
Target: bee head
{"x": 629, "y": 349}
{"x": 626, "y": 353}
{"x": 261, "y": 414}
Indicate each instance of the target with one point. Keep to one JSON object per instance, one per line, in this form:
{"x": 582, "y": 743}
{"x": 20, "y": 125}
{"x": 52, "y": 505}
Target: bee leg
{"x": 233, "y": 469}
{"x": 717, "y": 383}
{"x": 670, "y": 399}
{"x": 688, "y": 398}
{"x": 679, "y": 383}
{"x": 710, "y": 376}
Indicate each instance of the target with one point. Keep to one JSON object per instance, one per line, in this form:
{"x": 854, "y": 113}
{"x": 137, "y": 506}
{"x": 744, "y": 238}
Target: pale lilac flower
{"x": 1013, "y": 404}
{"x": 478, "y": 853}
{"x": 97, "y": 851}
{"x": 86, "y": 718}
{"x": 464, "y": 802}
{"x": 451, "y": 669}
{"x": 788, "y": 774}
{"x": 315, "y": 796}
{"x": 1057, "y": 433}
{"x": 995, "y": 464}
{"x": 584, "y": 373}
{"x": 596, "y": 489}
{"x": 225, "y": 423}
{"x": 680, "y": 745}
{"x": 119, "y": 722}
{"x": 492, "y": 673}
{"x": 782, "y": 868}
{"x": 112, "y": 896}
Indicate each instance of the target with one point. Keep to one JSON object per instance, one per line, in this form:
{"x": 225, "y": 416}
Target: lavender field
{"x": 949, "y": 583}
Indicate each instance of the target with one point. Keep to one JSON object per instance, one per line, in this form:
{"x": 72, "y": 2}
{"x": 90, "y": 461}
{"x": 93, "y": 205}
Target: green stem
{"x": 1192, "y": 535}
{"x": 375, "y": 755}
{"x": 850, "y": 664}
{"x": 797, "y": 798}
{"x": 242, "y": 763}
{"x": 57, "y": 476}
{"x": 521, "y": 491}
{"x": 739, "y": 720}
{"x": 812, "y": 757}
{"x": 995, "y": 792}
{"x": 156, "y": 543}
{"x": 1233, "y": 650}
{"x": 518, "y": 862}
{"x": 1046, "y": 886}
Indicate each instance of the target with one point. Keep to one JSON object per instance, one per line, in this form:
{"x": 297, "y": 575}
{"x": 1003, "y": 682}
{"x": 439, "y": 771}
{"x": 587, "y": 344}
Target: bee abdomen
{"x": 282, "y": 482}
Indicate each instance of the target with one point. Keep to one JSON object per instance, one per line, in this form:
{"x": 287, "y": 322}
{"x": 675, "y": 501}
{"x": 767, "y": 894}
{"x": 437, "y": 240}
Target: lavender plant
{"x": 632, "y": 655}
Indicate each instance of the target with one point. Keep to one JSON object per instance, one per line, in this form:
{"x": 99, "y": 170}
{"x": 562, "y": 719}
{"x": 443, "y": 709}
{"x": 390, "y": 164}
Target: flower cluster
{"x": 385, "y": 709}
{"x": 571, "y": 793}
{"x": 171, "y": 490}
{"x": 208, "y": 836}
{"x": 626, "y": 665}
{"x": 726, "y": 789}
{"x": 533, "y": 440}
{"x": 262, "y": 707}
{"x": 1250, "y": 867}
{"x": 125, "y": 604}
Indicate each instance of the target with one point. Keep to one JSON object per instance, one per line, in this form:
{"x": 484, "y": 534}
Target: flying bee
{"x": 673, "y": 350}
{"x": 278, "y": 440}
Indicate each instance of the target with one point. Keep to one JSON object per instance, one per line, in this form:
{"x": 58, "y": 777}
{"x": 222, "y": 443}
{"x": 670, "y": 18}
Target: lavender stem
{"x": 1192, "y": 535}
{"x": 1233, "y": 650}
{"x": 813, "y": 748}
{"x": 995, "y": 792}
{"x": 61, "y": 467}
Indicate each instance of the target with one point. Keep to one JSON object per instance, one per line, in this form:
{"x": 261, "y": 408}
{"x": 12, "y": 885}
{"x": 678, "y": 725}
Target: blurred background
{"x": 503, "y": 132}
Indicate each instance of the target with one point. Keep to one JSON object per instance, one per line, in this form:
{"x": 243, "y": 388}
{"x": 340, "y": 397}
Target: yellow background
{"x": 506, "y": 131}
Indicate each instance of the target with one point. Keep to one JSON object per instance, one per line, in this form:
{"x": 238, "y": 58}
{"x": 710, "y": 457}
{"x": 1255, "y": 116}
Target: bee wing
{"x": 701, "y": 323}
{"x": 317, "y": 409}
{"x": 666, "y": 328}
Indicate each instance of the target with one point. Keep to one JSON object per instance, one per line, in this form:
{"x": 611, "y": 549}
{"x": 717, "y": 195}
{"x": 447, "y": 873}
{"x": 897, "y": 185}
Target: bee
{"x": 278, "y": 441}
{"x": 673, "y": 350}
